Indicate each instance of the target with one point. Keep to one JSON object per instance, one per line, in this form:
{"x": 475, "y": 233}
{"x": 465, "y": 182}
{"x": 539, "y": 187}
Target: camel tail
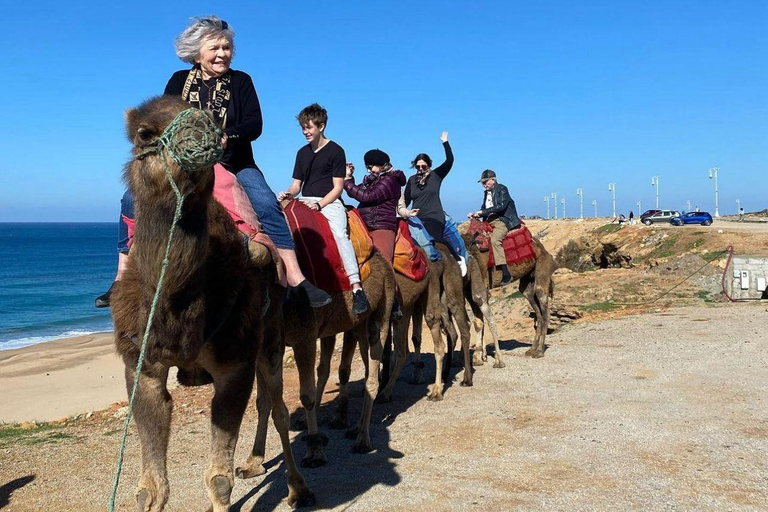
{"x": 551, "y": 288}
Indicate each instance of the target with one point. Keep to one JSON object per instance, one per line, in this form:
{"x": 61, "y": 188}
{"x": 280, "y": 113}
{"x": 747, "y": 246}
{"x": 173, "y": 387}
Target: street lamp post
{"x": 546, "y": 200}
{"x": 612, "y": 188}
{"x": 688, "y": 205}
{"x": 554, "y": 196}
{"x": 562, "y": 201}
{"x": 655, "y": 183}
{"x": 713, "y": 174}
{"x": 738, "y": 205}
{"x": 639, "y": 209}
{"x": 580, "y": 193}
{"x": 594, "y": 203}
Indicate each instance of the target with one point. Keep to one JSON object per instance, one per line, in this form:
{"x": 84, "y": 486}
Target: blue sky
{"x": 552, "y": 95}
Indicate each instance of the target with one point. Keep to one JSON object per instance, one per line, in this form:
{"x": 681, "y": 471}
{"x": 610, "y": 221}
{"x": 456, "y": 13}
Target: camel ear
{"x": 131, "y": 123}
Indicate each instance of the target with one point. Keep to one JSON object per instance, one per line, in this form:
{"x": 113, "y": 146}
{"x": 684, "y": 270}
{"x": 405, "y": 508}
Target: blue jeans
{"x": 262, "y": 199}
{"x": 126, "y": 209}
{"x": 267, "y": 208}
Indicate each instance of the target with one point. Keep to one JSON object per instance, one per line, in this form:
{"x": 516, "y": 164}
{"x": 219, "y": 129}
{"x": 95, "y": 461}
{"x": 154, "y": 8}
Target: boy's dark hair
{"x": 421, "y": 156}
{"x": 315, "y": 113}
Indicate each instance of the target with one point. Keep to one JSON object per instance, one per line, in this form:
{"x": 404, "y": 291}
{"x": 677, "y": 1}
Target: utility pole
{"x": 688, "y": 205}
{"x": 546, "y": 200}
{"x": 639, "y": 209}
{"x": 655, "y": 183}
{"x": 554, "y": 196}
{"x": 580, "y": 193}
{"x": 738, "y": 205}
{"x": 713, "y": 174}
{"x": 562, "y": 201}
{"x": 612, "y": 188}
{"x": 594, "y": 203}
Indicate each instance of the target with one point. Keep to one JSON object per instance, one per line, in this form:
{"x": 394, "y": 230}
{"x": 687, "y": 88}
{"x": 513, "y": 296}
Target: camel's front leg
{"x": 271, "y": 368}
{"x": 232, "y": 388}
{"x": 152, "y": 412}
{"x": 488, "y": 316}
{"x": 345, "y": 370}
{"x": 400, "y": 340}
{"x": 365, "y": 333}
{"x": 254, "y": 464}
{"x": 305, "y": 352}
{"x": 418, "y": 364}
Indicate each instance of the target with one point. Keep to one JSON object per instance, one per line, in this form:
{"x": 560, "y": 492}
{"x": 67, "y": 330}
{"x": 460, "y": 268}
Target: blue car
{"x": 703, "y": 218}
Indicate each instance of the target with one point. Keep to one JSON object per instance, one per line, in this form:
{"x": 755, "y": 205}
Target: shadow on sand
{"x": 347, "y": 475}
{"x": 6, "y": 490}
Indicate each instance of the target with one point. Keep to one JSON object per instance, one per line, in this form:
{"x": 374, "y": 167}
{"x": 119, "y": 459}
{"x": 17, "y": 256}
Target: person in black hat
{"x": 378, "y": 195}
{"x": 498, "y": 209}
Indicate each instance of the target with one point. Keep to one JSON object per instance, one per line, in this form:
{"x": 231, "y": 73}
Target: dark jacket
{"x": 503, "y": 207}
{"x": 378, "y": 196}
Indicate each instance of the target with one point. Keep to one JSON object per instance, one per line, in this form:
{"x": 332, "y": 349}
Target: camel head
{"x": 169, "y": 136}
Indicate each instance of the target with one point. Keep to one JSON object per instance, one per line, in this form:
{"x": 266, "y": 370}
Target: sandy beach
{"x": 61, "y": 378}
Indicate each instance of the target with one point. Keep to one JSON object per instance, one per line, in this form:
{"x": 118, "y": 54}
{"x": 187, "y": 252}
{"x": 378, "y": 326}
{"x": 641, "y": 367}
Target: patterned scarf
{"x": 218, "y": 95}
{"x": 370, "y": 177}
{"x": 421, "y": 178}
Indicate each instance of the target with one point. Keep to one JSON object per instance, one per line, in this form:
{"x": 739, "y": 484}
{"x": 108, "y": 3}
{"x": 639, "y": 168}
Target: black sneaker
{"x": 506, "y": 279}
{"x": 307, "y": 292}
{"x": 359, "y": 302}
{"x": 102, "y": 301}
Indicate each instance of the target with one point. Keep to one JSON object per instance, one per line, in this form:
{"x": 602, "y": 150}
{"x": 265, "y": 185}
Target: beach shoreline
{"x": 57, "y": 379}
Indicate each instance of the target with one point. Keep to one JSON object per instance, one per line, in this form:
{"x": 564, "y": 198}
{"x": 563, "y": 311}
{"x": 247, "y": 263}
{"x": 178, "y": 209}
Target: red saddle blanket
{"x": 518, "y": 244}
{"x": 409, "y": 260}
{"x": 317, "y": 251}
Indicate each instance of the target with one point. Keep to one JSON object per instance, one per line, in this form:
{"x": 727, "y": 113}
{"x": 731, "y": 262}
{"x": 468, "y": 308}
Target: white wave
{"x": 34, "y": 340}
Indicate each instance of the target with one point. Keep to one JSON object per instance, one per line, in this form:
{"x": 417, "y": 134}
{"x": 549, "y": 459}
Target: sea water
{"x": 50, "y": 274}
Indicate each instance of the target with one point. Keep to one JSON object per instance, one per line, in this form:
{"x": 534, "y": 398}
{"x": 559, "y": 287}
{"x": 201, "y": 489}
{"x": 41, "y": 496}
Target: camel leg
{"x": 480, "y": 356}
{"x": 400, "y": 339}
{"x": 345, "y": 370}
{"x": 488, "y": 317}
{"x": 271, "y": 368}
{"x": 455, "y": 302}
{"x": 528, "y": 289}
{"x": 232, "y": 389}
{"x": 418, "y": 364}
{"x": 305, "y": 353}
{"x": 386, "y": 360}
{"x": 327, "y": 344}
{"x": 543, "y": 288}
{"x": 254, "y": 464}
{"x": 152, "y": 413}
{"x": 436, "y": 394}
{"x": 367, "y": 334}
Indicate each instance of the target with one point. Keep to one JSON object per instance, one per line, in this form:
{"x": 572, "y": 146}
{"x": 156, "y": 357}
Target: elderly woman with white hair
{"x": 211, "y": 84}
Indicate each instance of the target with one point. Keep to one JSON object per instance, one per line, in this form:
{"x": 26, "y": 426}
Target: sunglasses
{"x": 369, "y": 167}
{"x": 224, "y": 24}
{"x": 422, "y": 167}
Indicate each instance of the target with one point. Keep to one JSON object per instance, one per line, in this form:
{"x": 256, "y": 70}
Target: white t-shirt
{"x": 488, "y": 199}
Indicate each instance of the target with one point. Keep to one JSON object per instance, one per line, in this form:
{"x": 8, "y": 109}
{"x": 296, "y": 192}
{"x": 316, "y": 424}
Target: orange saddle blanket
{"x": 409, "y": 260}
{"x": 316, "y": 248}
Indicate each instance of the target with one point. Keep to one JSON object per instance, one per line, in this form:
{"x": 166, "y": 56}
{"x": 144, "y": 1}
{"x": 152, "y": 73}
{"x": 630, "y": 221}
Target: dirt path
{"x": 663, "y": 411}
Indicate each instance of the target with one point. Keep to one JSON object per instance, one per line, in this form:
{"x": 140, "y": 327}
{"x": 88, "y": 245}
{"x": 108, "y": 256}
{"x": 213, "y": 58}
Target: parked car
{"x": 648, "y": 213}
{"x": 703, "y": 218}
{"x": 660, "y": 216}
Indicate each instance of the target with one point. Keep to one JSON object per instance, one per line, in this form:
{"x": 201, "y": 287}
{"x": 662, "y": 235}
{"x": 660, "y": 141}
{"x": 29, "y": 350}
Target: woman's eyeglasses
{"x": 421, "y": 167}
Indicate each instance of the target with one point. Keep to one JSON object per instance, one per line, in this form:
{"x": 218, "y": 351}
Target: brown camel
{"x": 451, "y": 285}
{"x": 415, "y": 298}
{"x": 478, "y": 296}
{"x": 218, "y": 318}
{"x": 303, "y": 327}
{"x": 536, "y": 285}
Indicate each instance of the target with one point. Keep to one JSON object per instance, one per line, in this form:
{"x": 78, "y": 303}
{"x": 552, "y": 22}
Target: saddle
{"x": 517, "y": 244}
{"x": 409, "y": 261}
{"x": 316, "y": 249}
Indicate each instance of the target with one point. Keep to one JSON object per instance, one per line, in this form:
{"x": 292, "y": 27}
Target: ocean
{"x": 50, "y": 274}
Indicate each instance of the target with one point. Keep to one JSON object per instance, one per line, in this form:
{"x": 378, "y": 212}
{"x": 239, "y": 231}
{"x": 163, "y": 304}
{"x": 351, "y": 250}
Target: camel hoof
{"x": 435, "y": 398}
{"x": 141, "y": 500}
{"x": 477, "y": 361}
{"x": 466, "y": 383}
{"x": 308, "y": 500}
{"x": 362, "y": 448}
{"x": 244, "y": 473}
{"x": 499, "y": 364}
{"x": 534, "y": 353}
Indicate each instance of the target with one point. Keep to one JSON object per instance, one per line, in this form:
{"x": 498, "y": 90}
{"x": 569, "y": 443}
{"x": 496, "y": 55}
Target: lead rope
{"x": 193, "y": 151}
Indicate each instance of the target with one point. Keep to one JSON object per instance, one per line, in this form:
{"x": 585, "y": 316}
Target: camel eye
{"x": 145, "y": 134}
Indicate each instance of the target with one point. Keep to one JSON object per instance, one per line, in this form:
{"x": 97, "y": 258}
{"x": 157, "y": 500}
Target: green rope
{"x": 190, "y": 152}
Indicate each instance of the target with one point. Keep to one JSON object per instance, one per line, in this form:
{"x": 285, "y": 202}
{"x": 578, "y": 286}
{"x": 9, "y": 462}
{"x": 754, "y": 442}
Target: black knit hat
{"x": 376, "y": 157}
{"x": 487, "y": 175}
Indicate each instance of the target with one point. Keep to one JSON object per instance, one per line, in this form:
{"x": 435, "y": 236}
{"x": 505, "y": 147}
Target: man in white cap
{"x": 498, "y": 209}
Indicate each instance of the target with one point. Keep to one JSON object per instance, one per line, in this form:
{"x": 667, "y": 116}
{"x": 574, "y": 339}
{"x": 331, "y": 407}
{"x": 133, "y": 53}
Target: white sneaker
{"x": 463, "y": 266}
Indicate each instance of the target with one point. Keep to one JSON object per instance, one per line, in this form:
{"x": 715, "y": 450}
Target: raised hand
{"x": 444, "y": 137}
